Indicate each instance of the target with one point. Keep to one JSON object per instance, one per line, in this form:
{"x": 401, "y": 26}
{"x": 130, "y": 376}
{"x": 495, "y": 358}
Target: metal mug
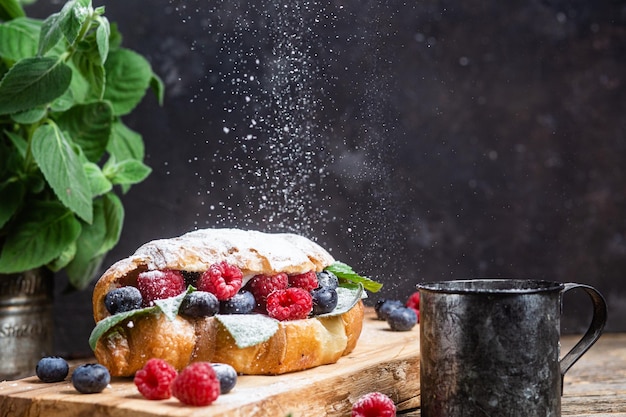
{"x": 490, "y": 347}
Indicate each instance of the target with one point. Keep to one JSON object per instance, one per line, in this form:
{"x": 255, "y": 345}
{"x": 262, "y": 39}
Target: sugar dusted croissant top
{"x": 264, "y": 303}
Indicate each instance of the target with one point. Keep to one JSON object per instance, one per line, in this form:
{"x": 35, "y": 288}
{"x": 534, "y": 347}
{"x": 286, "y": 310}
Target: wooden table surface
{"x": 384, "y": 360}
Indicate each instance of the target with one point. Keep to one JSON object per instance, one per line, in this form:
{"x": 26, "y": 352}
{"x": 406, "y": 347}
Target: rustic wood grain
{"x": 383, "y": 361}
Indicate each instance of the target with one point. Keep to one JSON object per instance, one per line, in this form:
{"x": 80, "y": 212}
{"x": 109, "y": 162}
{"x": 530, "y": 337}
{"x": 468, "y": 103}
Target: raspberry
{"x": 155, "y": 379}
{"x": 222, "y": 279}
{"x": 197, "y": 384}
{"x": 263, "y": 285}
{"x": 374, "y": 404}
{"x": 156, "y": 285}
{"x": 414, "y": 302}
{"x": 289, "y": 304}
{"x": 306, "y": 281}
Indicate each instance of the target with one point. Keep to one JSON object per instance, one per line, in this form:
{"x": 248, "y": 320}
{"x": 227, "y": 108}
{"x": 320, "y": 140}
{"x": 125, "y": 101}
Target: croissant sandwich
{"x": 265, "y": 303}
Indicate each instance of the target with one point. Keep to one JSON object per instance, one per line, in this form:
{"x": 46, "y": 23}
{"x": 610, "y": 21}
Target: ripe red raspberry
{"x": 154, "y": 380}
{"x": 374, "y": 404}
{"x": 159, "y": 284}
{"x": 221, "y": 279}
{"x": 414, "y": 303}
{"x": 306, "y": 281}
{"x": 197, "y": 384}
{"x": 263, "y": 285}
{"x": 289, "y": 304}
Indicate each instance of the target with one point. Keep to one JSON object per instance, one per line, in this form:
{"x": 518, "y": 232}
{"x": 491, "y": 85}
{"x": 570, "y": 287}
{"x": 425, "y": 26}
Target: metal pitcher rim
{"x": 491, "y": 286}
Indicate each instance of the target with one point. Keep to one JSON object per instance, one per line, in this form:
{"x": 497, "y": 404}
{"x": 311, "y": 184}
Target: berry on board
{"x": 197, "y": 384}
{"x": 227, "y": 376}
{"x": 155, "y": 379}
{"x": 384, "y": 307}
{"x": 374, "y": 404}
{"x": 402, "y": 319}
{"x": 90, "y": 378}
{"x": 52, "y": 369}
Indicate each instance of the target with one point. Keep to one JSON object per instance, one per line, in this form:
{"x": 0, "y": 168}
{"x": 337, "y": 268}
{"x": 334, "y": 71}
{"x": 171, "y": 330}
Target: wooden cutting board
{"x": 383, "y": 360}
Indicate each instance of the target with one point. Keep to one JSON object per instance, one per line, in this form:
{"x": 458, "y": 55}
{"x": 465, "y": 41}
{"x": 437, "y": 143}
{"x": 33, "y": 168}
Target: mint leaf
{"x": 248, "y": 329}
{"x": 33, "y": 82}
{"x": 11, "y": 195}
{"x": 114, "y": 217}
{"x": 128, "y": 76}
{"x": 126, "y": 172}
{"x": 106, "y": 324}
{"x": 98, "y": 183}
{"x": 63, "y": 170}
{"x": 19, "y": 38}
{"x": 41, "y": 235}
{"x": 125, "y": 143}
{"x": 89, "y": 125}
{"x": 345, "y": 272}
{"x": 167, "y": 306}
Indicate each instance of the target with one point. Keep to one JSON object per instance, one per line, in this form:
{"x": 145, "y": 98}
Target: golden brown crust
{"x": 297, "y": 345}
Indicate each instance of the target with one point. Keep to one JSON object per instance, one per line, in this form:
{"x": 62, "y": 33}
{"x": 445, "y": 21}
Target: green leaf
{"x": 108, "y": 323}
{"x": 345, "y": 272}
{"x": 31, "y": 116}
{"x": 168, "y": 306}
{"x": 42, "y": 233}
{"x": 10, "y": 9}
{"x": 102, "y": 38}
{"x": 65, "y": 100}
{"x": 33, "y": 82}
{"x": 19, "y": 38}
{"x": 125, "y": 143}
{"x": 248, "y": 329}
{"x": 57, "y": 25}
{"x": 63, "y": 170}
{"x": 114, "y": 219}
{"x": 127, "y": 172}
{"x": 128, "y": 76}
{"x": 158, "y": 87}
{"x": 19, "y": 142}
{"x": 87, "y": 62}
{"x": 89, "y": 126}
{"x": 98, "y": 183}
{"x": 79, "y": 278}
{"x": 63, "y": 259}
{"x": 11, "y": 195}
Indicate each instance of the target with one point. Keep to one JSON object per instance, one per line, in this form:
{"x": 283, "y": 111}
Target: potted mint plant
{"x": 65, "y": 154}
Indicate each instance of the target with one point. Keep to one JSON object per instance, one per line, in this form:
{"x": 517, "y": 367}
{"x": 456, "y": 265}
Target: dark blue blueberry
{"x": 384, "y": 307}
{"x": 122, "y": 299}
{"x": 241, "y": 303}
{"x": 327, "y": 279}
{"x": 324, "y": 300}
{"x": 52, "y": 369}
{"x": 200, "y": 304}
{"x": 226, "y": 375}
{"x": 91, "y": 378}
{"x": 402, "y": 319}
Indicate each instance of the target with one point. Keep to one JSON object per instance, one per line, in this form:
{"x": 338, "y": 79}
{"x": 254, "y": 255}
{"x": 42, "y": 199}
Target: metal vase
{"x": 26, "y": 321}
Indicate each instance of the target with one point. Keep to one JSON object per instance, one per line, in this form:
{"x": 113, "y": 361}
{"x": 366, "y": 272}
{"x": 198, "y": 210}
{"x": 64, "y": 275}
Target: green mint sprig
{"x": 346, "y": 273}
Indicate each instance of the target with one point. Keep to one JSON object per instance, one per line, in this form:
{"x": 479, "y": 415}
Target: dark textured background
{"x": 427, "y": 140}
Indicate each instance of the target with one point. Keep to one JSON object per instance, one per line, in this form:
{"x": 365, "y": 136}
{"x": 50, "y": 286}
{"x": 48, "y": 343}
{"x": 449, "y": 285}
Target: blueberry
{"x": 90, "y": 378}
{"x": 241, "y": 303}
{"x": 327, "y": 279}
{"x": 324, "y": 300}
{"x": 384, "y": 307}
{"x": 123, "y": 299}
{"x": 402, "y": 319}
{"x": 52, "y": 369}
{"x": 200, "y": 304}
{"x": 226, "y": 375}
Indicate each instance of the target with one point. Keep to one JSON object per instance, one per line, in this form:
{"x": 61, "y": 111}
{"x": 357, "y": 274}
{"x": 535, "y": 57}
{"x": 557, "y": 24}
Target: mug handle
{"x": 593, "y": 333}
